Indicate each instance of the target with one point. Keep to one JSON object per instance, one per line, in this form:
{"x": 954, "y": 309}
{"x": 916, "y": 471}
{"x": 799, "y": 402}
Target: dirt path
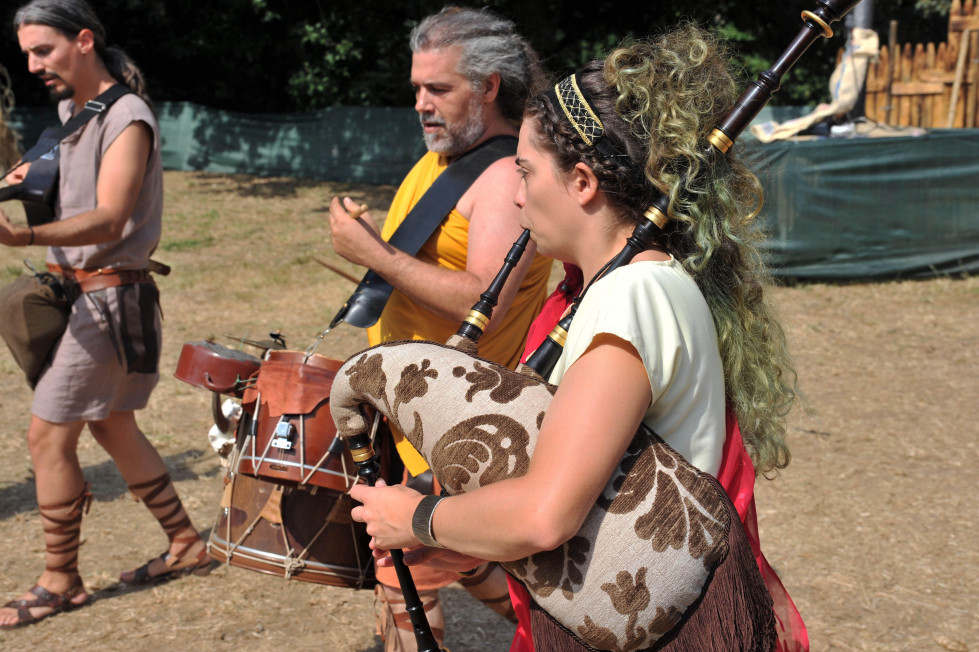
{"x": 872, "y": 527}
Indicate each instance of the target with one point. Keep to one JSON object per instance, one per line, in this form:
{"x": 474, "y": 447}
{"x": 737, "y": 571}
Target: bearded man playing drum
{"x": 107, "y": 224}
{"x": 472, "y": 74}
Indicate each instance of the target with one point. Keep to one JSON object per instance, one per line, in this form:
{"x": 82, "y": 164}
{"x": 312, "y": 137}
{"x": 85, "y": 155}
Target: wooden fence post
{"x": 957, "y": 83}
{"x": 935, "y": 87}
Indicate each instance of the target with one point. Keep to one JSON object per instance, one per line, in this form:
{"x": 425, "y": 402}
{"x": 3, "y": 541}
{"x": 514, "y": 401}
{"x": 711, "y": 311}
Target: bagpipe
{"x": 661, "y": 560}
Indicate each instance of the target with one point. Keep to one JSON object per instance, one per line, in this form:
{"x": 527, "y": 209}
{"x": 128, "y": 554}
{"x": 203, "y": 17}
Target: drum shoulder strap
{"x": 52, "y": 136}
{"x": 364, "y": 306}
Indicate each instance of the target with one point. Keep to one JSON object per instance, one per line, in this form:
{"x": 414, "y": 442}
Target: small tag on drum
{"x": 283, "y": 434}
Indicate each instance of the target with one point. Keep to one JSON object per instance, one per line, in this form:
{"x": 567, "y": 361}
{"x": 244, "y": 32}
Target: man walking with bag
{"x": 107, "y": 222}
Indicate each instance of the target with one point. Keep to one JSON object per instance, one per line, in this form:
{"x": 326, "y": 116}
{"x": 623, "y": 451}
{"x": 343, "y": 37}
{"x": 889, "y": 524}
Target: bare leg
{"x": 393, "y": 623}
{"x": 144, "y": 471}
{"x": 60, "y": 488}
{"x": 489, "y": 586}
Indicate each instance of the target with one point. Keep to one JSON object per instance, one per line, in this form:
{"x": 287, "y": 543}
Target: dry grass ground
{"x": 872, "y": 527}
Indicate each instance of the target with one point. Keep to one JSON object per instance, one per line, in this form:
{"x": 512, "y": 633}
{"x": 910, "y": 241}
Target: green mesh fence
{"x": 836, "y": 209}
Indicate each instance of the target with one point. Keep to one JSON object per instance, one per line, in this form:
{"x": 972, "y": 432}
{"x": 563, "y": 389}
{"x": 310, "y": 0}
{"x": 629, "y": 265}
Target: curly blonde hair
{"x": 659, "y": 99}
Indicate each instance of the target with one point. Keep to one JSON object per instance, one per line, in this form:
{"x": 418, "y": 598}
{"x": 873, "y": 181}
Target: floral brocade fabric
{"x": 649, "y": 546}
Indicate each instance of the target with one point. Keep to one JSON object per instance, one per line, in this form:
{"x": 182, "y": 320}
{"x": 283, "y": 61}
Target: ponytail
{"x": 125, "y": 71}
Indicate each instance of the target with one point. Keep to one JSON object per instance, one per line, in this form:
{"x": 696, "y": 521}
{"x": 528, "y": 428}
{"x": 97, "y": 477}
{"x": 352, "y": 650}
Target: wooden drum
{"x": 281, "y": 529}
{"x": 289, "y": 433}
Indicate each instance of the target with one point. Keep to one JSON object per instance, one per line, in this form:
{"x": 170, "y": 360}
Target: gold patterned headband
{"x": 569, "y": 98}
{"x": 577, "y": 110}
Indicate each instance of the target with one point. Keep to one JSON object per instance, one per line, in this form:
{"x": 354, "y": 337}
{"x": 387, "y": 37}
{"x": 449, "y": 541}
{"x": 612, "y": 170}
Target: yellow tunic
{"x": 403, "y": 319}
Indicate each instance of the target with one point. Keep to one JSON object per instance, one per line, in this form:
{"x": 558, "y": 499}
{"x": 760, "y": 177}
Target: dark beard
{"x": 65, "y": 93}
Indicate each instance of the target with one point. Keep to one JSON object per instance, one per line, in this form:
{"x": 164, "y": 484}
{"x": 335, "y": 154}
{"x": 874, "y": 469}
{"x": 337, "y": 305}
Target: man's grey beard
{"x": 458, "y": 138}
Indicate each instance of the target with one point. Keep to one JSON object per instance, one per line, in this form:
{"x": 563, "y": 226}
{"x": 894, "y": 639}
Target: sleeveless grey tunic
{"x": 104, "y": 363}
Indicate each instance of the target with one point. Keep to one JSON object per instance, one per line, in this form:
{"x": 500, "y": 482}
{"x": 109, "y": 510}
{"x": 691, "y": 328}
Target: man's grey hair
{"x": 490, "y": 44}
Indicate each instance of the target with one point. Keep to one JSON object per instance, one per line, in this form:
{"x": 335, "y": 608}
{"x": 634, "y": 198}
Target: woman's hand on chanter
{"x": 387, "y": 511}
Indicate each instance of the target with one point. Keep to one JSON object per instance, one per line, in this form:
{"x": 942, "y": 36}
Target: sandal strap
{"x": 83, "y": 500}
{"x": 56, "y": 523}
{"x": 401, "y": 619}
{"x": 201, "y": 566}
{"x": 147, "y": 493}
{"x": 479, "y": 577}
{"x": 172, "y": 560}
{"x": 142, "y": 574}
{"x": 47, "y": 599}
{"x": 156, "y": 485}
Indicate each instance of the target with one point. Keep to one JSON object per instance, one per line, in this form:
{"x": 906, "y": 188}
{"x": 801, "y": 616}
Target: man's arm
{"x": 450, "y": 294}
{"x": 120, "y": 180}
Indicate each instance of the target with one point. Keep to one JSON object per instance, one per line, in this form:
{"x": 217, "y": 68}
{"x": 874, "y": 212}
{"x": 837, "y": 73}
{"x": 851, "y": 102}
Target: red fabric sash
{"x": 553, "y": 309}
{"x": 736, "y": 475}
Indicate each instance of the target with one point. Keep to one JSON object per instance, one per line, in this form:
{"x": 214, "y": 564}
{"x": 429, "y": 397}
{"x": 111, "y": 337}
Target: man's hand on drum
{"x": 387, "y": 512}
{"x": 353, "y": 233}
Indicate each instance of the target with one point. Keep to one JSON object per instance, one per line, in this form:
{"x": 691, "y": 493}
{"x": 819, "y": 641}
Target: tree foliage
{"x": 296, "y": 55}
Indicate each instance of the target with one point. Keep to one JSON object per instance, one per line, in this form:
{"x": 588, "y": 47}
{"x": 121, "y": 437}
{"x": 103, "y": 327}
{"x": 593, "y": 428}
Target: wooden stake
{"x": 890, "y": 111}
{"x": 959, "y": 72}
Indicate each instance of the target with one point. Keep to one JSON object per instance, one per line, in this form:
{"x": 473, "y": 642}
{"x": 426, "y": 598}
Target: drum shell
{"x": 294, "y": 389}
{"x": 211, "y": 366}
{"x": 302, "y": 534}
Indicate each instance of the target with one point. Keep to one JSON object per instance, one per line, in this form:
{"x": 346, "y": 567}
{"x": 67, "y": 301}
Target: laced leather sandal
{"x": 201, "y": 565}
{"x": 173, "y": 522}
{"x": 62, "y": 526}
{"x": 44, "y": 599}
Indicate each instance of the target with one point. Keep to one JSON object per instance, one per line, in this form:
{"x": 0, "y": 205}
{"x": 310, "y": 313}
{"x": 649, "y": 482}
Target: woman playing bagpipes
{"x": 669, "y": 341}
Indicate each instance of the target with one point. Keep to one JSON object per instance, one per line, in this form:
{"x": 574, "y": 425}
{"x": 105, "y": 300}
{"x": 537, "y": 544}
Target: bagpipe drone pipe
{"x": 661, "y": 560}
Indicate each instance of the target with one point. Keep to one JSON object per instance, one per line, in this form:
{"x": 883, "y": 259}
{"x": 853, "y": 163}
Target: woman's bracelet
{"x": 31, "y": 241}
{"x": 421, "y": 521}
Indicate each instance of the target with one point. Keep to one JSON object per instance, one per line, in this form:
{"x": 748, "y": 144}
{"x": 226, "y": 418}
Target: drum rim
{"x": 309, "y": 566}
{"x": 296, "y": 357}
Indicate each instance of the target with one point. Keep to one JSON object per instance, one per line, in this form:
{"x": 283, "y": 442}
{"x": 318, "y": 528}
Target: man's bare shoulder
{"x": 500, "y": 176}
{"x": 492, "y": 191}
{"x": 504, "y": 169}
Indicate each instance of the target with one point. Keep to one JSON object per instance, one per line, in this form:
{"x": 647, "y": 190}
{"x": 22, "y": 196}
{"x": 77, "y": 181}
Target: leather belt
{"x": 92, "y": 280}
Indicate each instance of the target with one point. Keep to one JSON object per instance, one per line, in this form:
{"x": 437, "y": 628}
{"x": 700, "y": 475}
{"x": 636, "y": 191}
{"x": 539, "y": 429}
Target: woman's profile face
{"x": 546, "y": 205}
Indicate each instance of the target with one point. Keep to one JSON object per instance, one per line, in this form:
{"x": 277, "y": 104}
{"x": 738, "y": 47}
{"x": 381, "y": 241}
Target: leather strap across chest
{"x": 365, "y": 305}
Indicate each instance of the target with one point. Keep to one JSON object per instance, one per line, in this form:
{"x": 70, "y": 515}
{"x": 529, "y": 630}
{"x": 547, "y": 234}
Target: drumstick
{"x": 357, "y": 212}
{"x": 337, "y": 270}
